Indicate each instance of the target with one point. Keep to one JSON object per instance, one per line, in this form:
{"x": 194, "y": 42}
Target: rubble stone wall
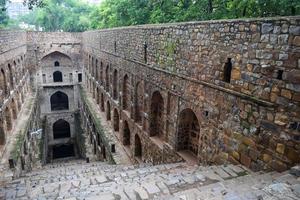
{"x": 233, "y": 86}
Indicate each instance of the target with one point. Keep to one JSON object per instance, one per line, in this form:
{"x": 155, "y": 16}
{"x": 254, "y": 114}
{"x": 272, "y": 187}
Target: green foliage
{"x": 3, "y": 14}
{"x": 60, "y": 15}
{"x": 113, "y": 13}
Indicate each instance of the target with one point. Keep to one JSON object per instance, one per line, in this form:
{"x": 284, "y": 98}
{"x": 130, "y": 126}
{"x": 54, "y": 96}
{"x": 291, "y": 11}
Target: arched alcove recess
{"x": 61, "y": 129}
{"x": 156, "y": 115}
{"x": 59, "y": 101}
{"x": 126, "y": 134}
{"x": 97, "y": 96}
{"x": 108, "y": 116}
{"x": 97, "y": 70}
{"x": 56, "y": 59}
{"x": 11, "y": 77}
{"x": 2, "y": 134}
{"x": 14, "y": 109}
{"x": 115, "y": 85}
{"x": 126, "y": 93}
{"x": 102, "y": 103}
{"x": 116, "y": 120}
{"x": 101, "y": 73}
{"x": 57, "y": 76}
{"x": 188, "y": 132}
{"x": 138, "y": 102}
{"x": 8, "y": 119}
{"x": 107, "y": 78}
{"x": 3, "y": 82}
{"x": 18, "y": 99}
{"x": 137, "y": 146}
{"x": 93, "y": 90}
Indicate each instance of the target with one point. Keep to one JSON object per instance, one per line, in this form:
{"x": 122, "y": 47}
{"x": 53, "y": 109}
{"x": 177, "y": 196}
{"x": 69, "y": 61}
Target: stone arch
{"x": 107, "y": 78}
{"x": 101, "y": 73}
{"x": 97, "y": 96}
{"x": 116, "y": 120}
{"x": 188, "y": 131}
{"x": 156, "y": 115}
{"x": 59, "y": 101}
{"x": 115, "y": 84}
{"x": 3, "y": 82}
{"x": 8, "y": 119}
{"x": 126, "y": 134}
{"x": 138, "y": 102}
{"x": 97, "y": 70}
{"x": 137, "y": 146}
{"x": 61, "y": 129}
{"x": 2, "y": 134}
{"x": 14, "y": 109}
{"x": 57, "y": 76}
{"x": 102, "y": 103}
{"x": 11, "y": 77}
{"x": 108, "y": 116}
{"x": 56, "y": 59}
{"x": 126, "y": 93}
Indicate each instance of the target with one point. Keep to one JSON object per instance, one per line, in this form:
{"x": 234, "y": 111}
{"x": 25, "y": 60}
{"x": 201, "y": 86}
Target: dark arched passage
{"x": 61, "y": 129}
{"x": 126, "y": 93}
{"x": 137, "y": 146}
{"x": 126, "y": 134}
{"x": 188, "y": 131}
{"x": 116, "y": 120}
{"x": 115, "y": 85}
{"x": 59, "y": 101}
{"x": 108, "y": 116}
{"x": 57, "y": 76}
{"x": 156, "y": 115}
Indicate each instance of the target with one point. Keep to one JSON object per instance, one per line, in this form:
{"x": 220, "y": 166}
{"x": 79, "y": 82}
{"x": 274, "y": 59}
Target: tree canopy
{"x": 76, "y": 15}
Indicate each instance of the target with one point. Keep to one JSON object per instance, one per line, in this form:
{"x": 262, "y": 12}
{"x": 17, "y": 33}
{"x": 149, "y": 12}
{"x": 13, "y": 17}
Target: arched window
{"x": 57, "y": 76}
{"x": 126, "y": 134}
{"x": 126, "y": 93}
{"x": 102, "y": 103}
{"x": 156, "y": 115}
{"x": 188, "y": 132}
{"x": 14, "y": 109}
{"x": 2, "y": 135}
{"x": 61, "y": 129}
{"x": 137, "y": 146}
{"x": 56, "y": 64}
{"x": 138, "y": 102}
{"x": 8, "y": 119}
{"x": 115, "y": 85}
{"x": 227, "y": 70}
{"x": 59, "y": 101}
{"x": 108, "y": 117}
{"x": 116, "y": 120}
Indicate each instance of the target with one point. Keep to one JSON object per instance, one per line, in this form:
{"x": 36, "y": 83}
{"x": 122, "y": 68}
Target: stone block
{"x": 278, "y": 165}
{"x": 296, "y": 41}
{"x": 293, "y": 155}
{"x": 245, "y": 160}
{"x": 141, "y": 194}
{"x": 295, "y": 171}
{"x": 292, "y": 76}
{"x": 236, "y": 155}
{"x": 266, "y": 158}
{"x": 248, "y": 141}
{"x": 286, "y": 93}
{"x": 266, "y": 28}
{"x": 281, "y": 119}
{"x": 280, "y": 148}
{"x": 253, "y": 154}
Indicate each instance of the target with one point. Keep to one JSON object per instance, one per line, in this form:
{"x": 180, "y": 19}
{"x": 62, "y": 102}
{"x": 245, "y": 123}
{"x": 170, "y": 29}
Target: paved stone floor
{"x": 76, "y": 180}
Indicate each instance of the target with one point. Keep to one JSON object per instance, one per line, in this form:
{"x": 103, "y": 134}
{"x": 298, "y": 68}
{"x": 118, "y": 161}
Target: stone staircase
{"x": 79, "y": 180}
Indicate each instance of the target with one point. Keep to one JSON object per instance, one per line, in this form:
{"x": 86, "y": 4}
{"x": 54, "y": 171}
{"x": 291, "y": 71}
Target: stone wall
{"x": 232, "y": 86}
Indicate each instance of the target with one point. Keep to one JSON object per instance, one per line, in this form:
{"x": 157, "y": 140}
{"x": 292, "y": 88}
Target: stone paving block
{"x": 141, "y": 194}
{"x": 221, "y": 172}
{"x": 151, "y": 188}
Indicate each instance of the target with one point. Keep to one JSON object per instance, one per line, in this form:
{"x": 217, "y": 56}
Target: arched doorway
{"x": 107, "y": 78}
{"x": 14, "y": 109}
{"x": 156, "y": 115}
{"x": 115, "y": 85}
{"x": 137, "y": 146}
{"x": 56, "y": 64}
{"x": 57, "y": 76}
{"x": 108, "y": 117}
{"x": 59, "y": 101}
{"x": 2, "y": 134}
{"x": 188, "y": 132}
{"x": 8, "y": 119}
{"x": 126, "y": 93}
{"x": 126, "y": 134}
{"x": 3, "y": 82}
{"x": 11, "y": 77}
{"x": 61, "y": 129}
{"x": 116, "y": 120}
{"x": 102, "y": 103}
{"x": 138, "y": 102}
{"x": 97, "y": 96}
